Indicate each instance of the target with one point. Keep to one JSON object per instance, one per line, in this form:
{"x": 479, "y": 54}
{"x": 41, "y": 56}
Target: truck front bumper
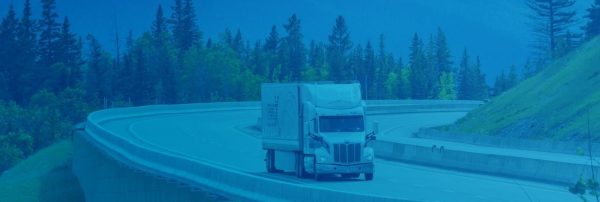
{"x": 342, "y": 168}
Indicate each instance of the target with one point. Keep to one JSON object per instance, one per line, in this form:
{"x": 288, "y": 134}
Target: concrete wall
{"x": 520, "y": 167}
{"x": 105, "y": 179}
{"x": 571, "y": 147}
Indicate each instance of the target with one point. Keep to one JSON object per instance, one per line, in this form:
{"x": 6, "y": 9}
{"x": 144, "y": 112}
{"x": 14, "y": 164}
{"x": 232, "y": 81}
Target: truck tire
{"x": 270, "y": 161}
{"x": 368, "y": 176}
{"x": 300, "y": 171}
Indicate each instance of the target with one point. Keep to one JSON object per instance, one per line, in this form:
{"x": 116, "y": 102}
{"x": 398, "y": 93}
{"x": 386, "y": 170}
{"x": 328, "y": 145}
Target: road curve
{"x": 219, "y": 135}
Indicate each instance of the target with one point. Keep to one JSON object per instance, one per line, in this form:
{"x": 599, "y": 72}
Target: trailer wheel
{"x": 270, "y": 161}
{"x": 368, "y": 176}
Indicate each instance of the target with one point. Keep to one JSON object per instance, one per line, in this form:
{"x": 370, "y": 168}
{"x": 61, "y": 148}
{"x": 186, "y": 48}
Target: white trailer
{"x": 316, "y": 129}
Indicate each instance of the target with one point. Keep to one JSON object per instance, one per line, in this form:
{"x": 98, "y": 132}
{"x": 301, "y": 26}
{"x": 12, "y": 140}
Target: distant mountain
{"x": 551, "y": 105}
{"x": 495, "y": 30}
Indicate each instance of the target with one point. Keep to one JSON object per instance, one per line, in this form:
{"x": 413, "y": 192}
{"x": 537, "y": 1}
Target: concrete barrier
{"x": 562, "y": 173}
{"x": 566, "y": 147}
{"x": 188, "y": 171}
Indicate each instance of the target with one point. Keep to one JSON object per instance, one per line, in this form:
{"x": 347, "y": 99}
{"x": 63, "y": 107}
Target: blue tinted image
{"x": 307, "y": 100}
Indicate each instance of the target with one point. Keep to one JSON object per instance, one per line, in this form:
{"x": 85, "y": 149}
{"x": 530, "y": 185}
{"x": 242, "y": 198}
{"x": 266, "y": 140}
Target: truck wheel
{"x": 270, "y": 161}
{"x": 350, "y": 175}
{"x": 368, "y": 176}
{"x": 300, "y": 171}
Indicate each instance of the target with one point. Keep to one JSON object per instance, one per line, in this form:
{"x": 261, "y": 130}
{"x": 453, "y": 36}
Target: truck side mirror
{"x": 373, "y": 135}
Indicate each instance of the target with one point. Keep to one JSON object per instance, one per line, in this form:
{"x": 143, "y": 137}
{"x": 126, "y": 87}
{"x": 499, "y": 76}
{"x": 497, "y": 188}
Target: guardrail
{"x": 220, "y": 179}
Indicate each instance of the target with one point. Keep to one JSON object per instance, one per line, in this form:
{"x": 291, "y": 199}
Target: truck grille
{"x": 346, "y": 153}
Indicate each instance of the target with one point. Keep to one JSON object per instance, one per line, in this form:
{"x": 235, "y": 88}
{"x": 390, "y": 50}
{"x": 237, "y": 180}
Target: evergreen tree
{"x": 465, "y": 80}
{"x": 369, "y": 69}
{"x": 185, "y": 31}
{"x": 237, "y": 44}
{"x": 227, "y": 38}
{"x": 553, "y": 19}
{"x": 98, "y": 79}
{"x": 442, "y": 53}
{"x": 592, "y": 28}
{"x": 513, "y": 79}
{"x": 8, "y": 40}
{"x": 418, "y": 66}
{"x": 356, "y": 64}
{"x": 272, "y": 42}
{"x": 293, "y": 50}
{"x": 500, "y": 84}
{"x": 271, "y": 47}
{"x": 528, "y": 69}
{"x": 337, "y": 50}
{"x": 69, "y": 54}
{"x": 159, "y": 28}
{"x": 382, "y": 70}
{"x": 480, "y": 88}
{"x": 23, "y": 80}
{"x": 49, "y": 35}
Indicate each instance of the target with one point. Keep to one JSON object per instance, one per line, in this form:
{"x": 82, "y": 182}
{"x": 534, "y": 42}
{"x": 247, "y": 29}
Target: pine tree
{"x": 442, "y": 53}
{"x": 592, "y": 28}
{"x": 50, "y": 32}
{"x": 272, "y": 42}
{"x": 356, "y": 63}
{"x": 528, "y": 69}
{"x": 238, "y": 43}
{"x": 513, "y": 79}
{"x": 98, "y": 78}
{"x": 9, "y": 43}
{"x": 159, "y": 28}
{"x": 369, "y": 69}
{"x": 382, "y": 69}
{"x": 480, "y": 88}
{"x": 185, "y": 31}
{"x": 226, "y": 38}
{"x": 24, "y": 81}
{"x": 418, "y": 66}
{"x": 293, "y": 50}
{"x": 337, "y": 50}
{"x": 465, "y": 80}
{"x": 500, "y": 84}
{"x": 69, "y": 54}
{"x": 553, "y": 18}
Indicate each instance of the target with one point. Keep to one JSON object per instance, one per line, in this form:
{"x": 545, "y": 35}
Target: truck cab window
{"x": 341, "y": 124}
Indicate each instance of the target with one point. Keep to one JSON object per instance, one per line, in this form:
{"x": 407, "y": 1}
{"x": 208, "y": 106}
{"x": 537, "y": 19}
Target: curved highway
{"x": 224, "y": 137}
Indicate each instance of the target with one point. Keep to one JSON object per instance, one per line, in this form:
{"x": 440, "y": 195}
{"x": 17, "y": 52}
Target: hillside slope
{"x": 554, "y": 104}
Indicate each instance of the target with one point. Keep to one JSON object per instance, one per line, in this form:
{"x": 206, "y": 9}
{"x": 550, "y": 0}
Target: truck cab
{"x": 330, "y": 137}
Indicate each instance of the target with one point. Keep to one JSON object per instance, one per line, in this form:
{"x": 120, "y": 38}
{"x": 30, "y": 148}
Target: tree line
{"x": 49, "y": 81}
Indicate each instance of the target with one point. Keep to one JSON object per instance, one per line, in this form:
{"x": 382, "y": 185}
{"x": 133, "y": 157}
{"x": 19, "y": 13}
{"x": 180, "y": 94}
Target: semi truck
{"x": 316, "y": 129}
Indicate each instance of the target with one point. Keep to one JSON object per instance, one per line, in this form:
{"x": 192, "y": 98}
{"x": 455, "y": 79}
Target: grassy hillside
{"x": 44, "y": 176}
{"x": 554, "y": 104}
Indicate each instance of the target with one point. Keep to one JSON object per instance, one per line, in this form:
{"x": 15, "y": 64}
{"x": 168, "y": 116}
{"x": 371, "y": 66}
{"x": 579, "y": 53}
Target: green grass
{"x": 553, "y": 104}
{"x": 44, "y": 176}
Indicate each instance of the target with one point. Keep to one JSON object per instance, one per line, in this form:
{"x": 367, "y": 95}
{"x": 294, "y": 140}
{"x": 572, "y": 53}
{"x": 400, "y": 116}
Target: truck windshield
{"x": 341, "y": 124}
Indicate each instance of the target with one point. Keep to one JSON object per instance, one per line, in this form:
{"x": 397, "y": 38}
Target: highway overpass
{"x": 175, "y": 152}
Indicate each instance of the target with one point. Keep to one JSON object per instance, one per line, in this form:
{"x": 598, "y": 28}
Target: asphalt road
{"x": 216, "y": 137}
